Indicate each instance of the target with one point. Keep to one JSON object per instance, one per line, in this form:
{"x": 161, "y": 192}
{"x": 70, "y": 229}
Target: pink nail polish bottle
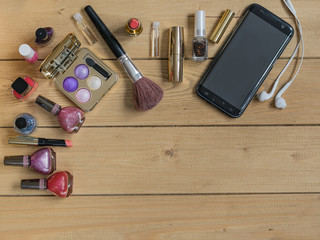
{"x": 42, "y": 160}
{"x": 70, "y": 118}
{"x": 28, "y": 53}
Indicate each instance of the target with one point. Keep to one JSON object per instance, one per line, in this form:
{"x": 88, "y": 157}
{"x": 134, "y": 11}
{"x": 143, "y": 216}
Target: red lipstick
{"x": 59, "y": 184}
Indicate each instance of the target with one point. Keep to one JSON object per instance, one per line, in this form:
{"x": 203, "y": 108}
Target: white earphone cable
{"x": 282, "y": 104}
{"x": 262, "y": 96}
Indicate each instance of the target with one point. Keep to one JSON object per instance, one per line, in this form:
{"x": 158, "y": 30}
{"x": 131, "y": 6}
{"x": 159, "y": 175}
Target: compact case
{"x": 78, "y": 73}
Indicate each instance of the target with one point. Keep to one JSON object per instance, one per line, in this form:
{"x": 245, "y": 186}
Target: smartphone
{"x": 244, "y": 61}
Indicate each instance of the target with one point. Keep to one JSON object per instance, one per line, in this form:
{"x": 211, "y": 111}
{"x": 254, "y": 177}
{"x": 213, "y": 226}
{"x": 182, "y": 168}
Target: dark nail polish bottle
{"x": 59, "y": 184}
{"x": 44, "y": 35}
{"x": 42, "y": 161}
{"x": 70, "y": 118}
{"x": 25, "y": 124}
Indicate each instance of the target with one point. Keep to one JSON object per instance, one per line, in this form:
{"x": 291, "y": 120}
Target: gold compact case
{"x": 78, "y": 73}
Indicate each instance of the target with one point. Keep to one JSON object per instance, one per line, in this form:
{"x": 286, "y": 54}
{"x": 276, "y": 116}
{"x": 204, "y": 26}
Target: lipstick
{"x": 39, "y": 141}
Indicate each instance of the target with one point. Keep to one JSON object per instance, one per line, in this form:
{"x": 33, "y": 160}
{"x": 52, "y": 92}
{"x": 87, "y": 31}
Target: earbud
{"x": 263, "y": 96}
{"x": 280, "y": 103}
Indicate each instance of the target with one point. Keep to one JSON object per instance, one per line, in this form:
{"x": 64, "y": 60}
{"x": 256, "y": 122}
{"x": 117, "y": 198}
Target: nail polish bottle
{"x": 70, "y": 118}
{"x": 25, "y": 124}
{"x": 200, "y": 42}
{"x": 22, "y": 88}
{"x": 28, "y": 53}
{"x": 59, "y": 184}
{"x": 42, "y": 160}
{"x": 44, "y": 35}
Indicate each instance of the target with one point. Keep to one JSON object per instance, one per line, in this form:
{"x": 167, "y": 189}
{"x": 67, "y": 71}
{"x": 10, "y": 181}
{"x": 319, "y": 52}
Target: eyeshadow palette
{"x": 78, "y": 73}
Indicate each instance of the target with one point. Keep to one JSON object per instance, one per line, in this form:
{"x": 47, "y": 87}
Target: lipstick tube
{"x": 176, "y": 54}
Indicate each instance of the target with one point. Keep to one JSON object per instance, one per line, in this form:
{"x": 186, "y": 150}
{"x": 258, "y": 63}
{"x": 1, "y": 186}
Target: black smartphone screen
{"x": 246, "y": 59}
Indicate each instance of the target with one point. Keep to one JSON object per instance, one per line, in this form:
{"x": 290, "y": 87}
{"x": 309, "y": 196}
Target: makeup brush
{"x": 147, "y": 94}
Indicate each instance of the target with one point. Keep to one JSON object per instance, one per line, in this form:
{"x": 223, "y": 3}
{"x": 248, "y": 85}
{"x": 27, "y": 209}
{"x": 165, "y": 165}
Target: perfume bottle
{"x": 42, "y": 160}
{"x": 25, "y": 124}
{"x": 29, "y": 54}
{"x": 59, "y": 184}
{"x": 155, "y": 39}
{"x": 200, "y": 42}
{"x": 44, "y": 36}
{"x": 69, "y": 118}
{"x": 86, "y": 31}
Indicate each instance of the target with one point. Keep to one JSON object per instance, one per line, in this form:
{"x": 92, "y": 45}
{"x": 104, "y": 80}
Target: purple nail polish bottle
{"x": 70, "y": 118}
{"x": 42, "y": 161}
{"x": 44, "y": 35}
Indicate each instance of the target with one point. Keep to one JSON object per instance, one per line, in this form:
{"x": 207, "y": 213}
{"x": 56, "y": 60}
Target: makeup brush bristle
{"x": 147, "y": 94}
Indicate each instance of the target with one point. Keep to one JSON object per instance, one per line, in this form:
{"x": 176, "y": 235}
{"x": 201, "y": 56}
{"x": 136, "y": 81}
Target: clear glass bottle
{"x": 86, "y": 31}
{"x": 200, "y": 42}
{"x": 155, "y": 39}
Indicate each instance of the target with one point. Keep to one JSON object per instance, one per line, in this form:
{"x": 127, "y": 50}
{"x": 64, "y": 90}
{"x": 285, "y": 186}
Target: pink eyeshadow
{"x": 83, "y": 95}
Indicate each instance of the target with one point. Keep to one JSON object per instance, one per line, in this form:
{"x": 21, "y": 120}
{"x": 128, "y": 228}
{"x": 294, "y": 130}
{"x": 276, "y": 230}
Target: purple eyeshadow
{"x": 70, "y": 84}
{"x": 81, "y": 71}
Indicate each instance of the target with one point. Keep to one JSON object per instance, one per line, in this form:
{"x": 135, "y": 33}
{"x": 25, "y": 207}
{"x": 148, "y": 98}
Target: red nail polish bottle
{"x": 70, "y": 118}
{"x": 22, "y": 88}
{"x": 59, "y": 184}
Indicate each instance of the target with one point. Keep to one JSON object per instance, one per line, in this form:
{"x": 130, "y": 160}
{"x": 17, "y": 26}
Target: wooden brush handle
{"x": 106, "y": 34}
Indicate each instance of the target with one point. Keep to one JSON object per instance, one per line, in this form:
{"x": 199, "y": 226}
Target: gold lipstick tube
{"x": 222, "y": 26}
{"x": 176, "y": 54}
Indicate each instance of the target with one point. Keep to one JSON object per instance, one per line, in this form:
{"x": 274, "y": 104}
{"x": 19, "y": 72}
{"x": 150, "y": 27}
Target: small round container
{"x": 25, "y": 124}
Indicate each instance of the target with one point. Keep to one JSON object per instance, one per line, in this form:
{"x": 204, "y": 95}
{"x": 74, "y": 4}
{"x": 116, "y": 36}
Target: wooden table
{"x": 183, "y": 170}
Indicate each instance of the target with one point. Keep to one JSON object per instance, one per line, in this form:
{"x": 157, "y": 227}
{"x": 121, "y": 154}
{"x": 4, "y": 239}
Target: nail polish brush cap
{"x": 200, "y": 24}
{"x": 48, "y": 105}
{"x": 26, "y": 51}
{"x": 20, "y": 123}
{"x": 33, "y": 184}
{"x": 22, "y": 160}
{"x": 41, "y": 33}
{"x": 19, "y": 85}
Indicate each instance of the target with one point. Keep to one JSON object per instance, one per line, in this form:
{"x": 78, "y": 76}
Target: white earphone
{"x": 279, "y": 101}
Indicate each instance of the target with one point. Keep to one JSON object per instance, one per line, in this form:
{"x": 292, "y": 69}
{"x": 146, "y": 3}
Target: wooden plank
{"x": 125, "y": 160}
{"x": 278, "y": 217}
{"x": 18, "y": 26}
{"x": 180, "y": 104}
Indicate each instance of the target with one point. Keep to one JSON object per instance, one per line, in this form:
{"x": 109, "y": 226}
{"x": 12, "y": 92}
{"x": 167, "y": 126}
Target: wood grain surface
{"x": 183, "y": 170}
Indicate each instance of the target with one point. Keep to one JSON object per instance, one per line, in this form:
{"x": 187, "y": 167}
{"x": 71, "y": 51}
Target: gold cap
{"x": 23, "y": 140}
{"x": 176, "y": 54}
{"x": 222, "y": 26}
